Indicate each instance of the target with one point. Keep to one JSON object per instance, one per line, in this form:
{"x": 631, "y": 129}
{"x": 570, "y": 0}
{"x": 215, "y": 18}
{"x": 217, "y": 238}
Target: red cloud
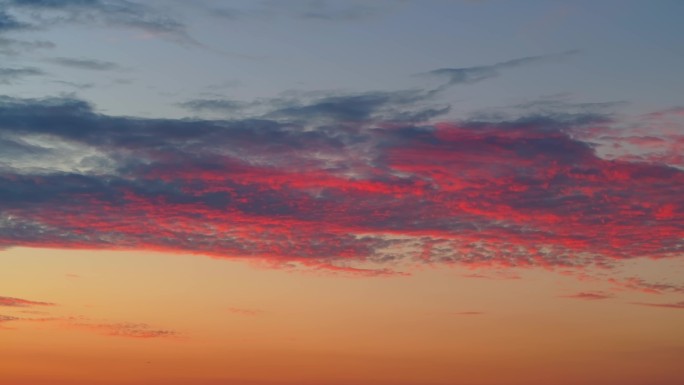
{"x": 18, "y": 302}
{"x": 591, "y": 296}
{"x": 528, "y": 192}
{"x": 130, "y": 330}
{"x": 676, "y": 305}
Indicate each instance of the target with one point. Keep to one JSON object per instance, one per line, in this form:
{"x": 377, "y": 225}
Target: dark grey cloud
{"x": 86, "y": 64}
{"x": 124, "y": 13}
{"x": 15, "y": 46}
{"x": 10, "y": 75}
{"x": 398, "y": 106}
{"x": 469, "y": 75}
{"x": 359, "y": 107}
{"x": 313, "y": 10}
{"x": 218, "y": 105}
{"x": 10, "y": 23}
{"x": 325, "y": 10}
{"x": 80, "y": 86}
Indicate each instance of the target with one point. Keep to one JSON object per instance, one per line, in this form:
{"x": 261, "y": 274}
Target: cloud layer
{"x": 331, "y": 183}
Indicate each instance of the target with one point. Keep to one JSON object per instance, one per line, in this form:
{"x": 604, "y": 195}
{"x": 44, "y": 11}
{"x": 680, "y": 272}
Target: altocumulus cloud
{"x": 332, "y": 183}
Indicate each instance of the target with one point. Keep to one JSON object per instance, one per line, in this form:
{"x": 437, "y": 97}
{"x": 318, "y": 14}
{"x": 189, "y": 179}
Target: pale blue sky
{"x": 629, "y": 51}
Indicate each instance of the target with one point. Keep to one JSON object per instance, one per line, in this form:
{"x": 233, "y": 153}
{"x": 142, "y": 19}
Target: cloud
{"x": 7, "y": 318}
{"x": 118, "y": 13}
{"x": 126, "y": 330}
{"x": 468, "y": 313}
{"x": 18, "y": 302}
{"x": 675, "y": 305}
{"x": 469, "y": 75}
{"x": 591, "y": 296}
{"x": 358, "y": 108}
{"x": 10, "y": 23}
{"x": 304, "y": 10}
{"x": 245, "y": 312}
{"x": 639, "y": 284}
{"x": 14, "y": 47}
{"x": 356, "y": 183}
{"x": 10, "y": 75}
{"x": 114, "y": 329}
{"x": 86, "y": 64}
{"x": 221, "y": 105}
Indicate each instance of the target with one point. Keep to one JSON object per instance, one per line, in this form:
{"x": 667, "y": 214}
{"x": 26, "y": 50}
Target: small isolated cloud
{"x": 589, "y": 295}
{"x": 674, "y": 305}
{"x": 86, "y": 64}
{"x": 245, "y": 311}
{"x": 19, "y": 302}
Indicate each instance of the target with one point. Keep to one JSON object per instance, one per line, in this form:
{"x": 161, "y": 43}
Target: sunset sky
{"x": 341, "y": 192}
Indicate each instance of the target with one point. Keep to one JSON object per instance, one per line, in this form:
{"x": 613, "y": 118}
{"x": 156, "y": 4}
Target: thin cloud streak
{"x": 20, "y": 302}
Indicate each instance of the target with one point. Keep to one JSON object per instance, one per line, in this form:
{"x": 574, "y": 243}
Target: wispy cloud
{"x": 125, "y": 329}
{"x": 113, "y": 329}
{"x": 7, "y": 318}
{"x": 675, "y": 305}
{"x": 590, "y": 295}
{"x": 20, "y": 302}
{"x": 10, "y": 23}
{"x": 304, "y": 10}
{"x": 119, "y": 13}
{"x": 15, "y": 46}
{"x": 11, "y": 75}
{"x": 86, "y": 64}
{"x": 468, "y": 75}
{"x": 468, "y": 313}
{"x": 245, "y": 311}
{"x": 639, "y": 284}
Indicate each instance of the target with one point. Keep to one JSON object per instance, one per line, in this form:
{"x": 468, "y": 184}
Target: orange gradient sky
{"x": 211, "y": 321}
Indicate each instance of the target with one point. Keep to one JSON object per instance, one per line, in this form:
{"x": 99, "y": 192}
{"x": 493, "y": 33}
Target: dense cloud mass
{"x": 332, "y": 183}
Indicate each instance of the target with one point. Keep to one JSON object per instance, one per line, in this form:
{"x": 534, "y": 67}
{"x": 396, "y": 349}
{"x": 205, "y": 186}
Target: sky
{"x": 341, "y": 192}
